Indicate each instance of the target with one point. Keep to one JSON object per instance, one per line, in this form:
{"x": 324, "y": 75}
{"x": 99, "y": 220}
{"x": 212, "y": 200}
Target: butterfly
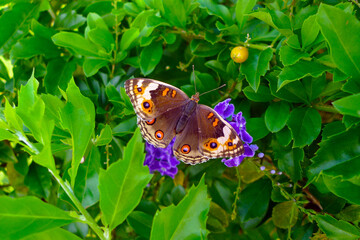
{"x": 164, "y": 112}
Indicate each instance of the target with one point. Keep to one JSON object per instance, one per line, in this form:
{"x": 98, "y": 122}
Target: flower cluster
{"x": 238, "y": 122}
{"x": 164, "y": 161}
{"x": 161, "y": 159}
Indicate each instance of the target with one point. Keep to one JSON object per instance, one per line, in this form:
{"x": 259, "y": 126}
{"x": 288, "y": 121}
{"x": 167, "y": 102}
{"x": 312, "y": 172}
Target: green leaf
{"x": 92, "y": 65}
{"x": 275, "y": 19}
{"x": 58, "y": 75}
{"x": 305, "y": 126}
{"x": 276, "y": 116}
{"x": 285, "y": 214}
{"x": 309, "y": 31}
{"x": 263, "y": 94}
{"x": 79, "y": 45}
{"x": 289, "y": 161}
{"x": 130, "y": 177}
{"x": 141, "y": 223}
{"x": 256, "y": 128}
{"x": 337, "y": 229}
{"x": 290, "y": 56}
{"x": 69, "y": 20}
{"x": 292, "y": 92}
{"x": 14, "y": 24}
{"x": 53, "y": 234}
{"x": 349, "y": 105}
{"x": 300, "y": 70}
{"x": 174, "y": 12}
{"x": 150, "y": 57}
{"x": 242, "y": 8}
{"x": 256, "y": 66}
{"x": 314, "y": 86}
{"x": 342, "y": 188}
{"x": 187, "y": 220}
{"x": 78, "y": 117}
{"x": 128, "y": 38}
{"x": 338, "y": 28}
{"x": 284, "y": 136}
{"x": 338, "y": 155}
{"x": 27, "y": 215}
{"x": 31, "y": 110}
{"x": 105, "y": 136}
{"x": 203, "y": 48}
{"x": 102, "y": 37}
{"x": 218, "y": 10}
{"x": 254, "y": 200}
{"x": 350, "y": 213}
{"x": 6, "y": 152}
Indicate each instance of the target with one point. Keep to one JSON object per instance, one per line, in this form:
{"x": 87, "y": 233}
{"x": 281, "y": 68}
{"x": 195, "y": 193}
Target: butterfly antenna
{"x": 213, "y": 89}
{"x": 193, "y": 67}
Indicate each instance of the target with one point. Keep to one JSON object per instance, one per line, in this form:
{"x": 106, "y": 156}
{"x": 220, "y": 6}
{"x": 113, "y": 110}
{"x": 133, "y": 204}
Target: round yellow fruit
{"x": 239, "y": 54}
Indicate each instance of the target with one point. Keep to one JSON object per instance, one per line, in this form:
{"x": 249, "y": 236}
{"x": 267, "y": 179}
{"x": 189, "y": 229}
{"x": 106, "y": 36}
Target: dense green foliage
{"x": 71, "y": 156}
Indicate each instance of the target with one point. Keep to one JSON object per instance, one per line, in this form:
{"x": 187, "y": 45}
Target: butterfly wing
{"x": 187, "y": 143}
{"x": 218, "y": 139}
{"x": 160, "y": 131}
{"x": 151, "y": 98}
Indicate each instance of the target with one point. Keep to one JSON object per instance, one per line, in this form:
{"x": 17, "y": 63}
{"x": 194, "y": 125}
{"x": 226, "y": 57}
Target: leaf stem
{"x": 89, "y": 220}
{"x": 233, "y": 214}
{"x": 326, "y": 109}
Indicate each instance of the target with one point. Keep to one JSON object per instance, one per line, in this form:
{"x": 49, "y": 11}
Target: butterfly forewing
{"x": 151, "y": 98}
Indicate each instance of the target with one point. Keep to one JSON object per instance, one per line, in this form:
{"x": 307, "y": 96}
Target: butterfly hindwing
{"x": 160, "y": 131}
{"x": 187, "y": 142}
{"x": 151, "y": 98}
{"x": 218, "y": 139}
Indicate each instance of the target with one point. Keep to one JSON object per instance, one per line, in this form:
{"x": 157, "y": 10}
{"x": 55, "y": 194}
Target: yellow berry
{"x": 239, "y": 54}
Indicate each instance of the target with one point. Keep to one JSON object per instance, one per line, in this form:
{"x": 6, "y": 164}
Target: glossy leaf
{"x": 256, "y": 66}
{"x": 274, "y": 20}
{"x": 105, "y": 136}
{"x": 309, "y": 31}
{"x": 187, "y": 220}
{"x": 128, "y": 38}
{"x": 256, "y": 128}
{"x": 174, "y": 12}
{"x": 289, "y": 161}
{"x": 290, "y": 56}
{"x": 276, "y": 116}
{"x": 338, "y": 155}
{"x": 299, "y": 70}
{"x": 305, "y": 126}
{"x": 338, "y": 27}
{"x": 53, "y": 234}
{"x": 337, "y": 229}
{"x": 150, "y": 57}
{"x": 18, "y": 220}
{"x": 263, "y": 94}
{"x": 130, "y": 177}
{"x": 79, "y": 44}
{"x": 31, "y": 110}
{"x": 349, "y": 105}
{"x": 285, "y": 214}
{"x": 58, "y": 75}
{"x": 141, "y": 223}
{"x": 78, "y": 117}
{"x": 242, "y": 8}
{"x": 254, "y": 200}
{"x": 218, "y": 10}
{"x": 14, "y": 24}
{"x": 349, "y": 190}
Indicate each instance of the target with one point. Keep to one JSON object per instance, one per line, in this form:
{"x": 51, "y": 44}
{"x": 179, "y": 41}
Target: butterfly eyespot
{"x": 213, "y": 145}
{"x": 151, "y": 122}
{"x": 146, "y": 104}
{"x": 138, "y": 90}
{"x": 185, "y": 149}
{"x": 159, "y": 135}
{"x": 230, "y": 144}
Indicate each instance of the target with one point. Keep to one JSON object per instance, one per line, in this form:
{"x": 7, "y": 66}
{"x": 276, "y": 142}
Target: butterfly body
{"x": 165, "y": 112}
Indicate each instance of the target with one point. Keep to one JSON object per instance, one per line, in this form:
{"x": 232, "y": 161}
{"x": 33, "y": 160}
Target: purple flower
{"x": 238, "y": 122}
{"x": 161, "y": 159}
